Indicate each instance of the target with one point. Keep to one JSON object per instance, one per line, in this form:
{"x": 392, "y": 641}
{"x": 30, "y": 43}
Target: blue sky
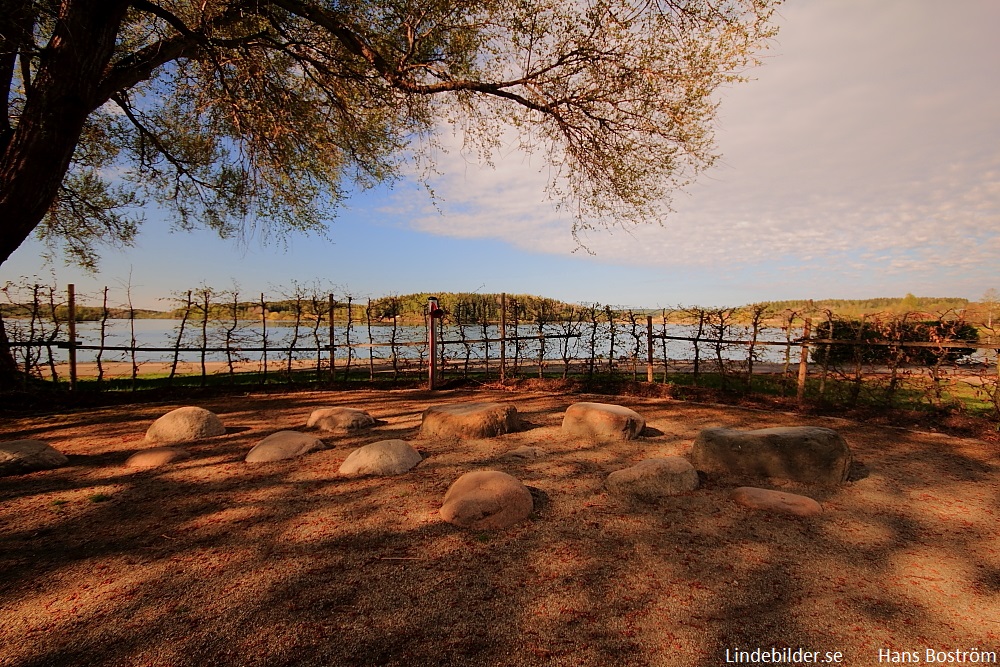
{"x": 862, "y": 161}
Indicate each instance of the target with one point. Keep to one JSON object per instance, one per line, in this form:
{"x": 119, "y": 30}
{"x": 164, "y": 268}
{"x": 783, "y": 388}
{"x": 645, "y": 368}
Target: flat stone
{"x": 283, "y": 445}
{"x": 469, "y": 420}
{"x": 652, "y": 479}
{"x": 525, "y": 452}
{"x": 487, "y": 500}
{"x": 340, "y": 420}
{"x": 185, "y": 424}
{"x": 808, "y": 454}
{"x": 156, "y": 457}
{"x": 386, "y": 457}
{"x": 602, "y": 421}
{"x": 776, "y": 501}
{"x": 18, "y": 457}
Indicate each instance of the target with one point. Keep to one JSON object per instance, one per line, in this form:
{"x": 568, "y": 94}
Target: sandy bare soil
{"x": 214, "y": 561}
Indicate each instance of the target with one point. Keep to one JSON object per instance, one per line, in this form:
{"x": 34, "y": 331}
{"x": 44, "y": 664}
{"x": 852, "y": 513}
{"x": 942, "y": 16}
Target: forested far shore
{"x": 303, "y": 304}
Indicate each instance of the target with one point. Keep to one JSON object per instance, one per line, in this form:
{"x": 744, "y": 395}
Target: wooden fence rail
{"x": 320, "y": 326}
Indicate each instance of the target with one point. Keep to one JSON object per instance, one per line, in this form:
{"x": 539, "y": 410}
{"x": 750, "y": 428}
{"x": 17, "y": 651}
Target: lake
{"x": 152, "y": 333}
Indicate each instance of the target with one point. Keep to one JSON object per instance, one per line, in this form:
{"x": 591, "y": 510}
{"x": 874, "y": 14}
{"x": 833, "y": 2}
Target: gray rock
{"x": 776, "y": 501}
{"x": 807, "y": 454}
{"x": 18, "y": 457}
{"x": 283, "y": 445}
{"x": 386, "y": 457}
{"x": 156, "y": 457}
{"x": 185, "y": 424}
{"x": 487, "y": 500}
{"x": 602, "y": 421}
{"x": 654, "y": 478}
{"x": 469, "y": 420}
{"x": 340, "y": 420}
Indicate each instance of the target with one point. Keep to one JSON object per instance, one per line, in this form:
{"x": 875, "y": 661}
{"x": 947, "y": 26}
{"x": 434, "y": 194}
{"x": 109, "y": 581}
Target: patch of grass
{"x": 99, "y": 497}
{"x": 59, "y": 503}
{"x": 277, "y": 377}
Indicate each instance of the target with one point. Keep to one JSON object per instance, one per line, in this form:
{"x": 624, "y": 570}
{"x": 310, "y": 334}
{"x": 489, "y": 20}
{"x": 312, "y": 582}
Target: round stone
{"x": 185, "y": 424}
{"x": 283, "y": 445}
{"x": 18, "y": 457}
{"x": 340, "y": 420}
{"x": 776, "y": 501}
{"x": 469, "y": 420}
{"x": 602, "y": 421}
{"x": 652, "y": 479}
{"x": 808, "y": 454}
{"x": 386, "y": 457}
{"x": 156, "y": 457}
{"x": 486, "y": 499}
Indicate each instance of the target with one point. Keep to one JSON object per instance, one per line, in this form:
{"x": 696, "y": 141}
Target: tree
{"x": 238, "y": 113}
{"x": 990, "y": 299}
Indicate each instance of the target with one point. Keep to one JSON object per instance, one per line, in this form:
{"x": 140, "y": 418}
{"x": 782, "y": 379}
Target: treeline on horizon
{"x": 857, "y": 308}
{"x": 469, "y": 307}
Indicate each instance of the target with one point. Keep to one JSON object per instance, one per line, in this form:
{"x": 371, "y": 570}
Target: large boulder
{"x": 468, "y": 420}
{"x": 654, "y": 478}
{"x": 486, "y": 499}
{"x": 386, "y": 457}
{"x": 283, "y": 445}
{"x": 185, "y": 424}
{"x": 602, "y": 421}
{"x": 807, "y": 454}
{"x": 156, "y": 457}
{"x": 776, "y": 501}
{"x": 18, "y": 457}
{"x": 340, "y": 420}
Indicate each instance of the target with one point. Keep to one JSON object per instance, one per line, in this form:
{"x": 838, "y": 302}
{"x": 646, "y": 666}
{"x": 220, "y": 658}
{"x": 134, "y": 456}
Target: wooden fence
{"x": 620, "y": 344}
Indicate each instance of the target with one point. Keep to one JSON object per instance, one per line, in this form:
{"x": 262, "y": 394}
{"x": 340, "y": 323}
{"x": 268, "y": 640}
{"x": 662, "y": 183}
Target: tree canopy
{"x": 261, "y": 114}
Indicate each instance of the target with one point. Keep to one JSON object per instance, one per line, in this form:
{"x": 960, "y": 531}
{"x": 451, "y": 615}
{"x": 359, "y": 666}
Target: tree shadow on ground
{"x": 214, "y": 561}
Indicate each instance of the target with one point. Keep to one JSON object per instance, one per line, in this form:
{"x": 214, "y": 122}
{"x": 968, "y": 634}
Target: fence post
{"x": 858, "y": 359}
{"x": 804, "y": 361}
{"x": 71, "y": 297}
{"x": 347, "y": 338}
{"x": 263, "y": 327}
{"x": 649, "y": 349}
{"x": 333, "y": 344}
{"x": 432, "y": 309}
{"x": 503, "y": 337}
{"x": 371, "y": 342}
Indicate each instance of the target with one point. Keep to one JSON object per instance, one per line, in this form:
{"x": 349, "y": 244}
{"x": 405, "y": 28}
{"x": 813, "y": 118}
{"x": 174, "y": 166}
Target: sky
{"x": 862, "y": 160}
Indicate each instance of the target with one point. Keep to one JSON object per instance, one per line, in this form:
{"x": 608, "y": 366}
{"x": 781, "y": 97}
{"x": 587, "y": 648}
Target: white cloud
{"x": 868, "y": 143}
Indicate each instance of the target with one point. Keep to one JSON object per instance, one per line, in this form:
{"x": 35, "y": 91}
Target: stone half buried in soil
{"x": 185, "y": 424}
{"x": 653, "y": 479}
{"x": 340, "y": 420}
{"x": 469, "y": 420}
{"x": 808, "y": 454}
{"x": 156, "y": 457}
{"x": 525, "y": 453}
{"x": 386, "y": 457}
{"x": 283, "y": 445}
{"x": 776, "y": 501}
{"x": 487, "y": 500}
{"x": 602, "y": 421}
{"x": 18, "y": 457}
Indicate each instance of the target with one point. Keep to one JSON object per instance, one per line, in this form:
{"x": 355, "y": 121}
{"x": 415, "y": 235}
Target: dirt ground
{"x": 214, "y": 561}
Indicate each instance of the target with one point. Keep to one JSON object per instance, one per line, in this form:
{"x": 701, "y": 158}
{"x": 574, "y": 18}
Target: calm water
{"x": 250, "y": 334}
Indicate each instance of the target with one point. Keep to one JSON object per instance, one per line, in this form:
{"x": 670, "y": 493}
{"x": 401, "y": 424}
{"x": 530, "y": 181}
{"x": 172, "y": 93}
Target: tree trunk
{"x": 34, "y": 161}
{"x": 10, "y": 376}
{"x": 35, "y": 155}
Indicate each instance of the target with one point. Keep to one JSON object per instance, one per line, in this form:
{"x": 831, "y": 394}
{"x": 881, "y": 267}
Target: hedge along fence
{"x": 220, "y": 332}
